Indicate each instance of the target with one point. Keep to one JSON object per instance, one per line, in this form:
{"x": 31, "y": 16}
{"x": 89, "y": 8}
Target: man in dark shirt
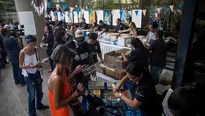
{"x": 144, "y": 95}
{"x": 83, "y": 24}
{"x": 102, "y": 27}
{"x": 13, "y": 50}
{"x": 120, "y": 26}
{"x": 158, "y": 56}
{"x": 94, "y": 47}
{"x": 82, "y": 55}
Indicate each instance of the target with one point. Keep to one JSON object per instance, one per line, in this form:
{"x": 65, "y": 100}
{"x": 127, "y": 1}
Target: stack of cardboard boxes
{"x": 114, "y": 65}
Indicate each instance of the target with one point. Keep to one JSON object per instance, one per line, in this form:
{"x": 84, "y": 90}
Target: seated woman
{"x": 132, "y": 30}
{"x": 139, "y": 54}
{"x": 188, "y": 100}
{"x": 60, "y": 92}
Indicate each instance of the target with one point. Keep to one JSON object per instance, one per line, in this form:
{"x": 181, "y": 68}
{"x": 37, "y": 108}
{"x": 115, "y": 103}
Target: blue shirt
{"x": 12, "y": 47}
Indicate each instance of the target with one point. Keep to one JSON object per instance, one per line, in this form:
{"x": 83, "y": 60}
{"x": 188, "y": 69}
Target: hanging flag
{"x": 158, "y": 9}
{"x": 64, "y": 7}
{"x": 165, "y": 8}
{"x": 89, "y": 11}
{"x": 144, "y": 12}
{"x": 151, "y": 11}
{"x": 57, "y": 6}
{"x": 49, "y": 4}
{"x": 130, "y": 13}
{"x": 179, "y": 5}
{"x": 77, "y": 10}
{"x": 171, "y": 7}
{"x": 136, "y": 12}
{"x": 71, "y": 9}
{"x": 92, "y": 17}
{"x": 121, "y": 12}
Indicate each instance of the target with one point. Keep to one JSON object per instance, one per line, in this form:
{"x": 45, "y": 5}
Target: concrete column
{"x": 25, "y": 5}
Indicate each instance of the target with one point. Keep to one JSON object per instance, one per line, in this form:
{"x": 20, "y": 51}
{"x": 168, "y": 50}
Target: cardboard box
{"x": 111, "y": 56}
{"x": 115, "y": 60}
{"x": 110, "y": 72}
{"x": 115, "y": 73}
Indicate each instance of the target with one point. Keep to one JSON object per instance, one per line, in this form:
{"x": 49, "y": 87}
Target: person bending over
{"x": 145, "y": 97}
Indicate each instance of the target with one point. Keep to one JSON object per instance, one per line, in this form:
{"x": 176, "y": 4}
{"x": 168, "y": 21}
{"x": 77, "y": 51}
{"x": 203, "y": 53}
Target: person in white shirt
{"x": 151, "y": 36}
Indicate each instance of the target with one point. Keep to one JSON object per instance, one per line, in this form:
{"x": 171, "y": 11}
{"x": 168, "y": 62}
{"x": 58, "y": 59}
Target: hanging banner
{"x": 137, "y": 18}
{"x": 58, "y": 7}
{"x": 100, "y": 15}
{"x": 130, "y": 13}
{"x": 52, "y": 16}
{"x": 49, "y": 4}
{"x": 75, "y": 17}
{"x": 87, "y": 17}
{"x": 77, "y": 10}
{"x": 115, "y": 16}
{"x": 144, "y": 12}
{"x": 151, "y": 11}
{"x": 59, "y": 16}
{"x": 62, "y": 16}
{"x": 40, "y": 6}
{"x": 165, "y": 8}
{"x": 159, "y": 10}
{"x": 64, "y": 7}
{"x": 92, "y": 17}
{"x": 125, "y": 17}
{"x": 70, "y": 17}
{"x": 66, "y": 16}
{"x": 171, "y": 7}
{"x": 179, "y": 5}
{"x": 80, "y": 15}
{"x": 108, "y": 17}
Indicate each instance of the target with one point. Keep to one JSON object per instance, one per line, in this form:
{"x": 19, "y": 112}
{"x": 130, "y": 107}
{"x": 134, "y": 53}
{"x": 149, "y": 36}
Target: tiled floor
{"x": 14, "y": 98}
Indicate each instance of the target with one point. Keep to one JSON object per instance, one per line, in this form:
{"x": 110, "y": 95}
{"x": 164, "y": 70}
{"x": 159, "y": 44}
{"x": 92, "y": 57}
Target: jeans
{"x": 155, "y": 71}
{"x": 18, "y": 77}
{"x": 49, "y": 52}
{"x": 33, "y": 92}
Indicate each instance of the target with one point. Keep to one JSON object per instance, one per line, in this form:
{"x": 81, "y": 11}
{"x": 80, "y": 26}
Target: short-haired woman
{"x": 60, "y": 92}
{"x": 28, "y": 63}
{"x": 132, "y": 30}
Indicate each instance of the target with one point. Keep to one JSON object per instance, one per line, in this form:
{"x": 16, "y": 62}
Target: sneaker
{"x": 42, "y": 107}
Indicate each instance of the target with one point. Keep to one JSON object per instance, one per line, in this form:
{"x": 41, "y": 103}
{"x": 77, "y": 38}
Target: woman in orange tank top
{"x": 59, "y": 90}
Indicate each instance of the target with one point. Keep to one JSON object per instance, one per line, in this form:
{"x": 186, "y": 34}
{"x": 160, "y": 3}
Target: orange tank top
{"x": 67, "y": 91}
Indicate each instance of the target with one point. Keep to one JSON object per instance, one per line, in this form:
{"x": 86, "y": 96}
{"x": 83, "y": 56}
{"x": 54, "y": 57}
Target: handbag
{"x": 35, "y": 78}
{"x": 76, "y": 107}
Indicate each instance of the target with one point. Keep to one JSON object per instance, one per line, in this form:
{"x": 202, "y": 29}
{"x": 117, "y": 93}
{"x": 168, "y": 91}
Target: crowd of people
{"x": 69, "y": 52}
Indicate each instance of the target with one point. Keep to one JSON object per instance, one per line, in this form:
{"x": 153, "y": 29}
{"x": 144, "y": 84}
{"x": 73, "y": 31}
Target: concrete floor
{"x": 14, "y": 98}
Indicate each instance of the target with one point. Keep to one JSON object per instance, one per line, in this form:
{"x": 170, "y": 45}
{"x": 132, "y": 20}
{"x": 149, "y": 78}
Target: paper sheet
{"x": 137, "y": 18}
{"x": 87, "y": 17}
{"x": 27, "y": 19}
{"x": 100, "y": 15}
{"x": 116, "y": 15}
